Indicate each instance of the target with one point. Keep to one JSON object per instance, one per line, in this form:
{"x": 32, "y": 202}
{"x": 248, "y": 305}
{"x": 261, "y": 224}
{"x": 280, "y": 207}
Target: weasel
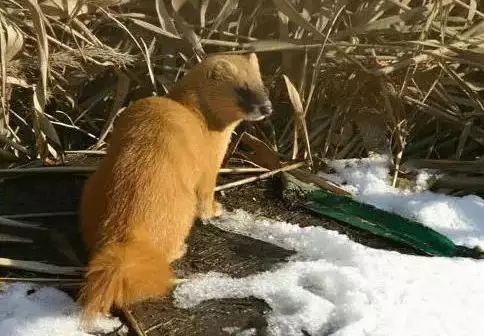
{"x": 158, "y": 176}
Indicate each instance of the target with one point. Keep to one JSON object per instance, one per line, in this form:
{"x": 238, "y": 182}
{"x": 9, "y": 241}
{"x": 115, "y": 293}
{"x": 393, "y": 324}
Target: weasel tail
{"x": 122, "y": 274}
{"x": 158, "y": 176}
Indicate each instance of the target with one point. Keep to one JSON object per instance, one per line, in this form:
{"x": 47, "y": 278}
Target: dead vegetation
{"x": 347, "y": 77}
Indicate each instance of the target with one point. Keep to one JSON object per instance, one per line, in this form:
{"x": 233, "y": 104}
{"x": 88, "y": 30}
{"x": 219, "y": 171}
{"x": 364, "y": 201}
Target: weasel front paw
{"x": 218, "y": 209}
{"x": 215, "y": 210}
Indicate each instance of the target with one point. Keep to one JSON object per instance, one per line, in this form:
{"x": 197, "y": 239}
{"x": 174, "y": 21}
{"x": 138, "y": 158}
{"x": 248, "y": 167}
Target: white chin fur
{"x": 256, "y": 115}
{"x": 255, "y": 118}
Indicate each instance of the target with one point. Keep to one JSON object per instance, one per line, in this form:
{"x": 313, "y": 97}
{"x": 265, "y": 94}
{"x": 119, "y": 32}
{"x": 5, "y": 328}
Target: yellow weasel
{"x": 159, "y": 174}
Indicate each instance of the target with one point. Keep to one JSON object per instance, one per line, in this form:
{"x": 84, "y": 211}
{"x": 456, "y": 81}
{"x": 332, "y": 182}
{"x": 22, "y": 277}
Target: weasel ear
{"x": 253, "y": 60}
{"x": 222, "y": 69}
{"x": 252, "y": 57}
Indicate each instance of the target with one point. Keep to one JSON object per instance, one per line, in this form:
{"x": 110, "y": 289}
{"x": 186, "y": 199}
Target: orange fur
{"x": 159, "y": 174}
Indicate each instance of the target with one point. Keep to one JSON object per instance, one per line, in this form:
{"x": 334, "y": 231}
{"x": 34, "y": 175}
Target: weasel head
{"x": 234, "y": 90}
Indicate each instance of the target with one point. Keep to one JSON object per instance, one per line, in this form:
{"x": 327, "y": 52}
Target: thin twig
{"x": 178, "y": 281}
{"x": 244, "y": 160}
{"x": 41, "y": 280}
{"x": 398, "y": 160}
{"x": 88, "y": 152}
{"x": 259, "y": 177}
{"x": 6, "y": 238}
{"x": 319, "y": 181}
{"x": 47, "y": 170}
{"x": 39, "y": 215}
{"x": 154, "y": 326}
{"x": 133, "y": 323}
{"x": 13, "y": 223}
{"x": 242, "y": 170}
{"x": 36, "y": 266}
{"x": 58, "y": 283}
{"x": 91, "y": 169}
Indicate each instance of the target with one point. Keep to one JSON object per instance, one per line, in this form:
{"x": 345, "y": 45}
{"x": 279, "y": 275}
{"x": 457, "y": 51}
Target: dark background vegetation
{"x": 347, "y": 78}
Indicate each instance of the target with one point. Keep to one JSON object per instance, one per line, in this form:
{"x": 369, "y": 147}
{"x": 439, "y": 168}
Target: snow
{"x": 458, "y": 218}
{"x": 333, "y": 286}
{"x": 238, "y": 332}
{"x": 30, "y": 310}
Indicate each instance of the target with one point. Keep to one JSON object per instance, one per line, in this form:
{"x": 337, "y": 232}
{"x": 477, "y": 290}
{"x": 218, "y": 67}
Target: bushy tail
{"x": 121, "y": 274}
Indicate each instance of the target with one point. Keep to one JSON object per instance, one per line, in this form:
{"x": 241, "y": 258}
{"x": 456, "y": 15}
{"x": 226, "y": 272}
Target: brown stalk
{"x": 259, "y": 177}
{"x": 36, "y": 266}
{"x": 133, "y": 323}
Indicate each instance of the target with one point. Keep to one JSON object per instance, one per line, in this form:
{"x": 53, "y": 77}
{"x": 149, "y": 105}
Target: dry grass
{"x": 347, "y": 77}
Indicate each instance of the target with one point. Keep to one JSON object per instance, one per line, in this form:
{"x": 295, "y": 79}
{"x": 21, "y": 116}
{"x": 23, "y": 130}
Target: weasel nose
{"x": 266, "y": 108}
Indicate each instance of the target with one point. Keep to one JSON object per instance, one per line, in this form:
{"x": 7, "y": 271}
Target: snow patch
{"x": 239, "y": 332}
{"x": 458, "y": 218}
{"x": 30, "y": 310}
{"x": 333, "y": 286}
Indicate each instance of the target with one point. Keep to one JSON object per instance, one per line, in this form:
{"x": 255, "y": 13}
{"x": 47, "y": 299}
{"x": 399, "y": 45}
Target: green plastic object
{"x": 386, "y": 224}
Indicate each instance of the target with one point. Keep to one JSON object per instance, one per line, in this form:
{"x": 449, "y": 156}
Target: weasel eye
{"x": 246, "y": 97}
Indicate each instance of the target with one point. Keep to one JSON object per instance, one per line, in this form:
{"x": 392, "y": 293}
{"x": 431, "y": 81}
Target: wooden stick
{"x": 244, "y": 159}
{"x": 40, "y": 215}
{"x": 133, "y": 323}
{"x": 58, "y": 283}
{"x": 178, "y": 281}
{"x": 88, "y": 152}
{"x": 13, "y": 223}
{"x": 46, "y": 170}
{"x": 242, "y": 170}
{"x": 259, "y": 177}
{"x": 6, "y": 238}
{"x": 42, "y": 280}
{"x": 155, "y": 326}
{"x": 91, "y": 169}
{"x": 321, "y": 182}
{"x": 36, "y": 266}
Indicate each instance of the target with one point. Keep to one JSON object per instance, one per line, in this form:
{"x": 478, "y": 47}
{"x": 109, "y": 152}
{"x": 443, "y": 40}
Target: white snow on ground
{"x": 236, "y": 331}
{"x": 30, "y": 310}
{"x": 458, "y": 218}
{"x": 333, "y": 286}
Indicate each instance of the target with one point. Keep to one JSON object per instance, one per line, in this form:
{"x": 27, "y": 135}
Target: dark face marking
{"x": 246, "y": 98}
{"x": 256, "y": 106}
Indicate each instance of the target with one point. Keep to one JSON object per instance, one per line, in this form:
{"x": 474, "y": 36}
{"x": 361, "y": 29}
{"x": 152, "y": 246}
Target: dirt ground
{"x": 210, "y": 249}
